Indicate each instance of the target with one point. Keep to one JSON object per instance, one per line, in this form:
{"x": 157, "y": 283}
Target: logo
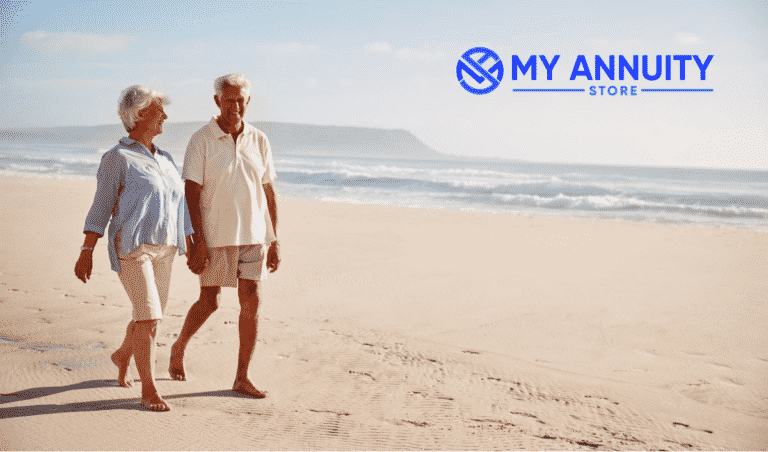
{"x": 473, "y": 67}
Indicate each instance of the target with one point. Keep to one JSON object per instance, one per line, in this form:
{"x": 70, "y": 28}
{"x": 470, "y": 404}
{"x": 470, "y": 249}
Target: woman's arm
{"x": 84, "y": 264}
{"x": 109, "y": 179}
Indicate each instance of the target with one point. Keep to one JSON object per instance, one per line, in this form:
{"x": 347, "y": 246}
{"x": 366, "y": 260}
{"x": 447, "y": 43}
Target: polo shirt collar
{"x": 218, "y": 133}
{"x": 215, "y": 129}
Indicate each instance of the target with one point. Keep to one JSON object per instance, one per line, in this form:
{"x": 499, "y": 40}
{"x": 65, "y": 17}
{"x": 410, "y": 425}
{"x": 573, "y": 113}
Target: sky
{"x": 393, "y": 64}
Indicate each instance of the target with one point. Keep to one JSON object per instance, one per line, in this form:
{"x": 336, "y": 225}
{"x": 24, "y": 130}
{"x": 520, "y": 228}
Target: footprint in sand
{"x": 337, "y": 413}
{"x": 730, "y": 382}
{"x": 518, "y": 413}
{"x": 601, "y": 398}
{"x": 652, "y": 353}
{"x": 367, "y": 374}
{"x": 686, "y": 426}
{"x": 725, "y": 366}
{"x": 417, "y": 424}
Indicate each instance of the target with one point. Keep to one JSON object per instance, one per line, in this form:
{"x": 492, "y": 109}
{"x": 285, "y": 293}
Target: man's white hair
{"x": 232, "y": 80}
{"x": 134, "y": 99}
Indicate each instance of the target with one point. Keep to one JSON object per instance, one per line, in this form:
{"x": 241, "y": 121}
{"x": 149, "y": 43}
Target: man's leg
{"x": 197, "y": 315}
{"x": 248, "y": 293}
{"x": 122, "y": 357}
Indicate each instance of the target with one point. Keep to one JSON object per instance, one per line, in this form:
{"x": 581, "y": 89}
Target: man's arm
{"x": 199, "y": 258}
{"x": 273, "y": 255}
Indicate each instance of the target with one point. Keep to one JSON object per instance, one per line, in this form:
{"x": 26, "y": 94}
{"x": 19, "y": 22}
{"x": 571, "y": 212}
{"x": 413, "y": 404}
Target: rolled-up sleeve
{"x": 188, "y": 230}
{"x": 185, "y": 220}
{"x": 108, "y": 181}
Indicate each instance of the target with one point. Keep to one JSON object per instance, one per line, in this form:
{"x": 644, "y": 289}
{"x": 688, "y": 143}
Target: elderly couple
{"x": 224, "y": 217}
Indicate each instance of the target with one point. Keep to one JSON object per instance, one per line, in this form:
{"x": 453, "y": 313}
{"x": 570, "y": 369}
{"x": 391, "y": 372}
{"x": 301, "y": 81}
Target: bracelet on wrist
{"x": 86, "y": 248}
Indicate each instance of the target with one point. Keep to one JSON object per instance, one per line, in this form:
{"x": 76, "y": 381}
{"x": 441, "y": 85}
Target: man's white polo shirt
{"x": 233, "y": 203}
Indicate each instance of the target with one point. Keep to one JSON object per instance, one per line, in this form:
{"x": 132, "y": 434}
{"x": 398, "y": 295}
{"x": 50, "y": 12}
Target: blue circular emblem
{"x": 473, "y": 67}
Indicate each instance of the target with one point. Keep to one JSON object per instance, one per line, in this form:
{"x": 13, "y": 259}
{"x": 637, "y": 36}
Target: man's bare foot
{"x": 122, "y": 362}
{"x": 245, "y": 387}
{"x": 176, "y": 367}
{"x": 154, "y": 402}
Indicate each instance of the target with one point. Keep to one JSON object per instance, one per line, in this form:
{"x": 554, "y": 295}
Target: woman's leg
{"x": 144, "y": 352}
{"x": 140, "y": 278}
{"x": 122, "y": 357}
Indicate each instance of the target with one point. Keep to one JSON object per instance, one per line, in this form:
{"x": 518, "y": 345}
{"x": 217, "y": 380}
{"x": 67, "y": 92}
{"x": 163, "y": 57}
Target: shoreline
{"x": 609, "y": 216}
{"x": 653, "y": 334}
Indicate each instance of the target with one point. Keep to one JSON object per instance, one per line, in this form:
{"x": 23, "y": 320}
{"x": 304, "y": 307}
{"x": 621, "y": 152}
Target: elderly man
{"x": 229, "y": 177}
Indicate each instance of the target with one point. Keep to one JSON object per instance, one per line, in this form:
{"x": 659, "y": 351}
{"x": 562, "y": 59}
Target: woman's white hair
{"x": 134, "y": 99}
{"x": 232, "y": 80}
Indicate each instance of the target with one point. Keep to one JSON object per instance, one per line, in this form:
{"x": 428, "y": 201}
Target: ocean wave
{"x": 55, "y": 168}
{"x": 45, "y": 175}
{"x": 616, "y": 203}
{"x": 382, "y": 170}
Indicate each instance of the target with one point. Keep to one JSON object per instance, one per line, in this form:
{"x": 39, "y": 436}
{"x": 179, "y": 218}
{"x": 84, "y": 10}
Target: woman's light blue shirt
{"x": 143, "y": 195}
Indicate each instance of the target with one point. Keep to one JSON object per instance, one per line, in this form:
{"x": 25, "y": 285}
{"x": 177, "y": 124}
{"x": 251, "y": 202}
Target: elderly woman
{"x": 140, "y": 190}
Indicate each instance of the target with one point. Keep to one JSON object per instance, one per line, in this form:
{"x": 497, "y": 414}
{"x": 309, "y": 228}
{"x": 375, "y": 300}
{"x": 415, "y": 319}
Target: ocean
{"x": 703, "y": 197}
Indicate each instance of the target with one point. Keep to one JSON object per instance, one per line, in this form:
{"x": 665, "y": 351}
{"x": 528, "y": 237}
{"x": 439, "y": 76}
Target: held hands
{"x": 84, "y": 265}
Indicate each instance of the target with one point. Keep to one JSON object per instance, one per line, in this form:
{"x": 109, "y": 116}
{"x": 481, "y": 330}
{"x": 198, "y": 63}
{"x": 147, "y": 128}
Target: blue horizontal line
{"x": 676, "y": 90}
{"x": 546, "y": 90}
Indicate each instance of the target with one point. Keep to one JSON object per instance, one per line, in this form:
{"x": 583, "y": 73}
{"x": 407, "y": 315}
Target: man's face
{"x": 233, "y": 105}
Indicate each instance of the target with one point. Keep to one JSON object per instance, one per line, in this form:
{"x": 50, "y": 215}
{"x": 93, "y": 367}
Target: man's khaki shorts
{"x": 229, "y": 263}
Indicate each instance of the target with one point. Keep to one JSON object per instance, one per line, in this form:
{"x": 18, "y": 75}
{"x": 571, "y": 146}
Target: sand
{"x": 399, "y": 328}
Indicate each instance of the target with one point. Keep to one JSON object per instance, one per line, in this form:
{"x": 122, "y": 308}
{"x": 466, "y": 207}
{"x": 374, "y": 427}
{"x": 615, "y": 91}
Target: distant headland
{"x": 285, "y": 138}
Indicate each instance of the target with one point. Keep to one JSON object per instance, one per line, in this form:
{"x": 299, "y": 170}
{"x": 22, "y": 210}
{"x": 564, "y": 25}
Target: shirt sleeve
{"x": 194, "y": 159}
{"x": 188, "y": 229}
{"x": 109, "y": 178}
{"x": 183, "y": 208}
{"x": 269, "y": 174}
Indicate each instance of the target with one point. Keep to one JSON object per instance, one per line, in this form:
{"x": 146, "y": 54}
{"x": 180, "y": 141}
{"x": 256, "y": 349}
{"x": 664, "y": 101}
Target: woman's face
{"x": 151, "y": 119}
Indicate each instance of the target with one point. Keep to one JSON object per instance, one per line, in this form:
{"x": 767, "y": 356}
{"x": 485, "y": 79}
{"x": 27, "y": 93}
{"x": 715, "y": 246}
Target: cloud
{"x": 687, "y": 39}
{"x": 736, "y": 148}
{"x": 405, "y": 53}
{"x": 292, "y": 47}
{"x": 409, "y": 54}
{"x": 310, "y": 82}
{"x": 44, "y": 42}
{"x": 424, "y": 79}
{"x": 381, "y": 47}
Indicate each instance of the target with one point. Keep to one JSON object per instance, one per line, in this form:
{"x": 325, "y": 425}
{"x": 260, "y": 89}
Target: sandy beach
{"x": 400, "y": 328}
